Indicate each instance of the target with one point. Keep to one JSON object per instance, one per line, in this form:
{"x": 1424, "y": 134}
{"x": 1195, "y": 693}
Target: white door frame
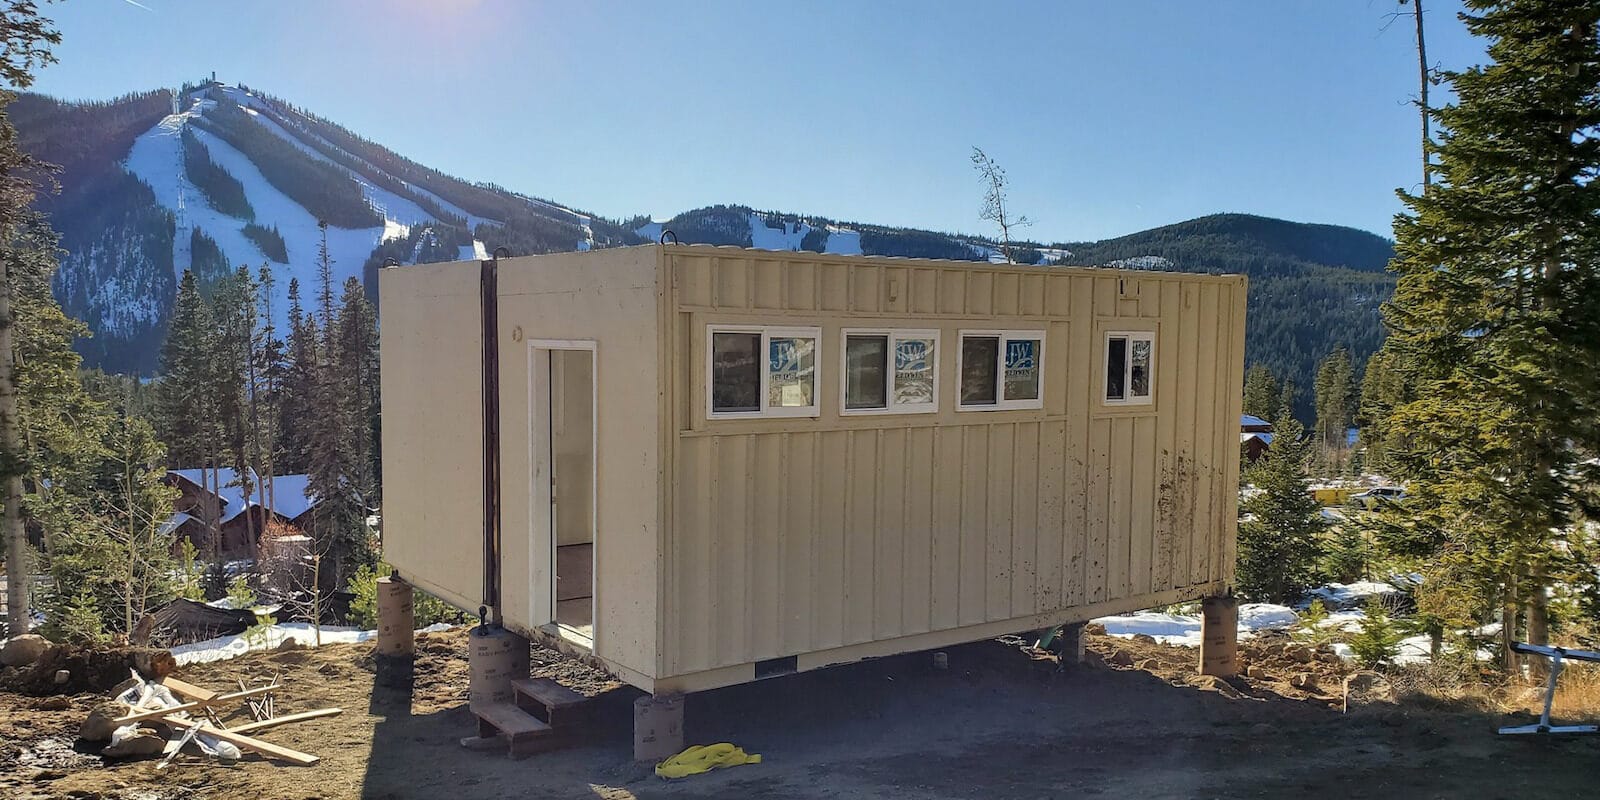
{"x": 541, "y": 532}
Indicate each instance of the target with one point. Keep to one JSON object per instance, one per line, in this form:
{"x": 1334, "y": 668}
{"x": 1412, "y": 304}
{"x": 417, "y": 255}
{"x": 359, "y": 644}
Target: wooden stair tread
{"x": 510, "y": 720}
{"x": 548, "y": 693}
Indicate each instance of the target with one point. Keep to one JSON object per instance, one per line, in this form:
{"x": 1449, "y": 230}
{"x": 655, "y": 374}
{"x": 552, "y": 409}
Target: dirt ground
{"x": 1133, "y": 721}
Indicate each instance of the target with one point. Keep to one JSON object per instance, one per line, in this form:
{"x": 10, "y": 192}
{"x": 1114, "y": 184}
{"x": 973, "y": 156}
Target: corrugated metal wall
{"x": 790, "y": 536}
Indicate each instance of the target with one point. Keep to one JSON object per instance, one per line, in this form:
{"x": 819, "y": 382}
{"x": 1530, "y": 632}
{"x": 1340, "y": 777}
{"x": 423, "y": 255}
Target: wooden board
{"x": 191, "y": 706}
{"x": 286, "y": 719}
{"x": 186, "y": 689}
{"x": 248, "y": 743}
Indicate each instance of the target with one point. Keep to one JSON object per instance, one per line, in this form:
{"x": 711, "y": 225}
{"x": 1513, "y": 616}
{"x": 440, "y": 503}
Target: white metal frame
{"x": 1556, "y": 656}
{"x": 1005, "y": 336}
{"x": 768, "y": 333}
{"x": 1127, "y": 398}
{"x": 895, "y": 335}
{"x": 542, "y": 560}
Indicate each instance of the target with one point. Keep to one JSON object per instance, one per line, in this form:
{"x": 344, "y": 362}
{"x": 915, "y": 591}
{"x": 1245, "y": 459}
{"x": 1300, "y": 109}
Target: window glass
{"x": 913, "y": 371}
{"x": 1022, "y": 369}
{"x": 1116, "y": 367}
{"x": 980, "y": 357}
{"x": 791, "y": 372}
{"x": 866, "y": 371}
{"x": 735, "y": 372}
{"x": 1139, "y": 370}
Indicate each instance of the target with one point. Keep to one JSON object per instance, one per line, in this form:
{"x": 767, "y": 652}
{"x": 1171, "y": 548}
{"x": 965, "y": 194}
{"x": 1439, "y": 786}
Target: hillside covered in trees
{"x": 240, "y": 177}
{"x": 1313, "y": 288}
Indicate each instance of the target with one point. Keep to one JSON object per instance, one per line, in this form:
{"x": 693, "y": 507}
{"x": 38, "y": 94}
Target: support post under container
{"x": 1068, "y": 643}
{"x": 657, "y": 727}
{"x": 1219, "y": 637}
{"x": 396, "y": 649}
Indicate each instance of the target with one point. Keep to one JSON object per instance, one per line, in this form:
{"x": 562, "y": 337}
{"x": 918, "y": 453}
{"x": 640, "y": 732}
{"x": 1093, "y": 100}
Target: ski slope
{"x": 156, "y": 158}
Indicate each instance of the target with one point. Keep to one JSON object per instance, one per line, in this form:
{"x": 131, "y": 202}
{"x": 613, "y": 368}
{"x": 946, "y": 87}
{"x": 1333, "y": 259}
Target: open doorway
{"x": 564, "y": 459}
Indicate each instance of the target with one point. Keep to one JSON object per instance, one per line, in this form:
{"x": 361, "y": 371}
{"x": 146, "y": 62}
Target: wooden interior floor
{"x": 575, "y": 588}
{"x": 576, "y": 616}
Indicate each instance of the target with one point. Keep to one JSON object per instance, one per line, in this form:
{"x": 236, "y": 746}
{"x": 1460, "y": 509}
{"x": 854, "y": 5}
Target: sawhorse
{"x": 1556, "y": 655}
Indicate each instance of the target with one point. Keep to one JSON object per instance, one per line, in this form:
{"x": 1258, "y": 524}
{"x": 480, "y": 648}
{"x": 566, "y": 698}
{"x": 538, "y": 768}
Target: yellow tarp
{"x": 704, "y": 758}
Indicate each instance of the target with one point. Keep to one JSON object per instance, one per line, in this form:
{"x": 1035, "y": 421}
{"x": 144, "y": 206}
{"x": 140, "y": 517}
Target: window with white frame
{"x": 1130, "y": 367}
{"x": 756, "y": 371}
{"x": 1001, "y": 370}
{"x": 890, "y": 371}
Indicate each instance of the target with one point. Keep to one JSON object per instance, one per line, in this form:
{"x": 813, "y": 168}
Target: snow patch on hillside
{"x": 157, "y": 159}
{"x": 392, "y": 207}
{"x": 1141, "y": 262}
{"x": 252, "y": 105}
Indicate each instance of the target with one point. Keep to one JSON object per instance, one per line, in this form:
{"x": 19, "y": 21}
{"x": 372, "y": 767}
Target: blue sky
{"x": 1109, "y": 117}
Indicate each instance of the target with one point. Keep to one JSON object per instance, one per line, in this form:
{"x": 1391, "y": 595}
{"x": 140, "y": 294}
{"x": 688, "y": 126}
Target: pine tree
{"x": 25, "y": 42}
{"x": 1383, "y": 389}
{"x": 1335, "y": 400}
{"x": 232, "y": 363}
{"x": 266, "y": 388}
{"x": 114, "y": 558}
{"x": 185, "y": 396}
{"x": 1280, "y": 525}
{"x": 357, "y": 362}
{"x": 1260, "y": 392}
{"x": 1496, "y": 317}
{"x": 298, "y": 387}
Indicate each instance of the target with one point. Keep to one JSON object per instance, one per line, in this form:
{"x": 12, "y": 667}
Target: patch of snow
{"x": 388, "y": 204}
{"x": 1184, "y": 629}
{"x": 786, "y": 237}
{"x": 156, "y": 158}
{"x": 1338, "y": 596}
{"x": 1141, "y": 262}
{"x": 271, "y": 636}
{"x": 651, "y": 230}
{"x": 250, "y": 103}
{"x": 843, "y": 241}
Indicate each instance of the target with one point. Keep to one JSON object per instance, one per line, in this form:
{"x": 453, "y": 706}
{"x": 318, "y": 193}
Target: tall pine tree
{"x": 1496, "y": 317}
{"x": 1335, "y": 402}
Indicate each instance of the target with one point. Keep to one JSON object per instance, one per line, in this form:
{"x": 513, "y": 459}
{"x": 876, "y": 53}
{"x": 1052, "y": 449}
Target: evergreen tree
{"x": 232, "y": 369}
{"x": 1496, "y": 316}
{"x": 185, "y": 396}
{"x": 1335, "y": 398}
{"x": 266, "y": 387}
{"x": 357, "y": 362}
{"x": 113, "y": 560}
{"x": 298, "y": 388}
{"x": 1260, "y": 392}
{"x": 1383, "y": 389}
{"x": 25, "y": 41}
{"x": 1280, "y": 525}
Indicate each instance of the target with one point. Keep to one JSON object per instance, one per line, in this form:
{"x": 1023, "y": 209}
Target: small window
{"x": 1130, "y": 364}
{"x": 762, "y": 372}
{"x": 1001, "y": 370}
{"x": 890, "y": 371}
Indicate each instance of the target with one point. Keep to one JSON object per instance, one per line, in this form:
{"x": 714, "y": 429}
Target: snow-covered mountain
{"x": 210, "y": 177}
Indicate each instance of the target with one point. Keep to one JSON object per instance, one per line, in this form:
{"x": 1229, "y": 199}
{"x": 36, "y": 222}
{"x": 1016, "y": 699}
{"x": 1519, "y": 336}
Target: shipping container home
{"x": 707, "y": 465}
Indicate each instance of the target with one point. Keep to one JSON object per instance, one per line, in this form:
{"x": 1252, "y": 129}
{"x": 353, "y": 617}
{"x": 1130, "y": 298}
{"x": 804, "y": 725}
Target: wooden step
{"x": 508, "y": 721}
{"x": 547, "y": 693}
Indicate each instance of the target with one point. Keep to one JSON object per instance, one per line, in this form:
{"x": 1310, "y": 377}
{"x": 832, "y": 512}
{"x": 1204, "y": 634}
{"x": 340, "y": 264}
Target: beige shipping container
{"x": 718, "y": 464}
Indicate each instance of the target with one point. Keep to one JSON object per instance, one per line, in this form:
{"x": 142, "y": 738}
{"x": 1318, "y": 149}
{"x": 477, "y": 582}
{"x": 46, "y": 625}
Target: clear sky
{"x": 1110, "y": 117}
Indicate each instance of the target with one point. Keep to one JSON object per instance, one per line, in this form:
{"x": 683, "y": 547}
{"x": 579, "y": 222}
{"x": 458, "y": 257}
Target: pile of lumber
{"x": 164, "y": 716}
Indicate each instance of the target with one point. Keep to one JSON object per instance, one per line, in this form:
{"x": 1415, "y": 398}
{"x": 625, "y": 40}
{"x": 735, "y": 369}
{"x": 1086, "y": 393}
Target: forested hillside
{"x": 1313, "y": 288}
{"x": 239, "y": 177}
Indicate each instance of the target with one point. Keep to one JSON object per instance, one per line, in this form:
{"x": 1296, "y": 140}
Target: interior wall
{"x": 572, "y": 443}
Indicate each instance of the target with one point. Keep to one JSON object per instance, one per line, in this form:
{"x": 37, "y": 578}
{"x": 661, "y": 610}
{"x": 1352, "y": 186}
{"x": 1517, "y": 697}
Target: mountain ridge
{"x": 149, "y": 177}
